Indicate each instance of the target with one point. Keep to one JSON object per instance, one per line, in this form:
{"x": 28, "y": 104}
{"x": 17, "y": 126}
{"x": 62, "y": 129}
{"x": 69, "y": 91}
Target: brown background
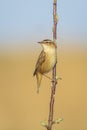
{"x": 21, "y": 108}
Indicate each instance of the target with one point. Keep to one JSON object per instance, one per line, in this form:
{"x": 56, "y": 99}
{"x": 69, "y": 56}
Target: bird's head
{"x": 47, "y": 44}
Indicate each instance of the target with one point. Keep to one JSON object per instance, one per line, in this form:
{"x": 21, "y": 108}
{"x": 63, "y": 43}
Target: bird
{"x": 46, "y": 60}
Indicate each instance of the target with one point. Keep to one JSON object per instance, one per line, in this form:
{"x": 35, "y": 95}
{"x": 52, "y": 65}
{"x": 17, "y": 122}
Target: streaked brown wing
{"x": 40, "y": 61}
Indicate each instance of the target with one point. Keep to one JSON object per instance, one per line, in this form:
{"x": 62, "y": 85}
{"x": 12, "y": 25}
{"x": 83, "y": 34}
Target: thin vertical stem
{"x": 54, "y": 19}
{"x": 54, "y": 38}
{"x": 51, "y": 108}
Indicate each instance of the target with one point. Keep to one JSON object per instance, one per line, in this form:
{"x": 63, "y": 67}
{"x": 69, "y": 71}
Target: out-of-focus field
{"x": 21, "y": 108}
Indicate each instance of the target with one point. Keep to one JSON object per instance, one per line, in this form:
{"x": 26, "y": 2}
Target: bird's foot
{"x": 56, "y": 79}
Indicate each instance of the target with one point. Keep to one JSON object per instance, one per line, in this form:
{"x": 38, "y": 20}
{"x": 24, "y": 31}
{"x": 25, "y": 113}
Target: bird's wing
{"x": 40, "y": 61}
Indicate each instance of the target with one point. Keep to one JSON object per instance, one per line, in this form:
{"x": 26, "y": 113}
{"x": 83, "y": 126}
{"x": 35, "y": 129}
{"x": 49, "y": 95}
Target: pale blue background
{"x": 31, "y": 20}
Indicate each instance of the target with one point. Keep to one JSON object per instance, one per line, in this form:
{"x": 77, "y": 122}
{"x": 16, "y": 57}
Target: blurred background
{"x": 22, "y": 24}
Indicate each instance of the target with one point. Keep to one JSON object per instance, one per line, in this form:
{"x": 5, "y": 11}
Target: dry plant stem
{"x": 51, "y": 109}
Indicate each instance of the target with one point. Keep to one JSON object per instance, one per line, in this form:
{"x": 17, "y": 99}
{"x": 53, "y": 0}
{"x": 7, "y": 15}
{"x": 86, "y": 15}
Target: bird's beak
{"x": 39, "y": 42}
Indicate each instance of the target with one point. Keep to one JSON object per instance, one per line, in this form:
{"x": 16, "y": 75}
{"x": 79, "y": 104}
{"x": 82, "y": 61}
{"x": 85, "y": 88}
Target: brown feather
{"x": 40, "y": 61}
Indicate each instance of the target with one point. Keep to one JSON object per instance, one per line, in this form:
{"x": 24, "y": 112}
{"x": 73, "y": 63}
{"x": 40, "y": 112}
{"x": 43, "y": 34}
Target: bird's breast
{"x": 50, "y": 61}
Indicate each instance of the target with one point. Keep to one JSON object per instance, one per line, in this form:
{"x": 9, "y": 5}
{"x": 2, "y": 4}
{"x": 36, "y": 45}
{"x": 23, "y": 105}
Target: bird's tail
{"x": 39, "y": 78}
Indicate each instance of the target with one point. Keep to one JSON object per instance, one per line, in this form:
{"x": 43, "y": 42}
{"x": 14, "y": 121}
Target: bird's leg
{"x": 47, "y": 77}
{"x": 53, "y": 80}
